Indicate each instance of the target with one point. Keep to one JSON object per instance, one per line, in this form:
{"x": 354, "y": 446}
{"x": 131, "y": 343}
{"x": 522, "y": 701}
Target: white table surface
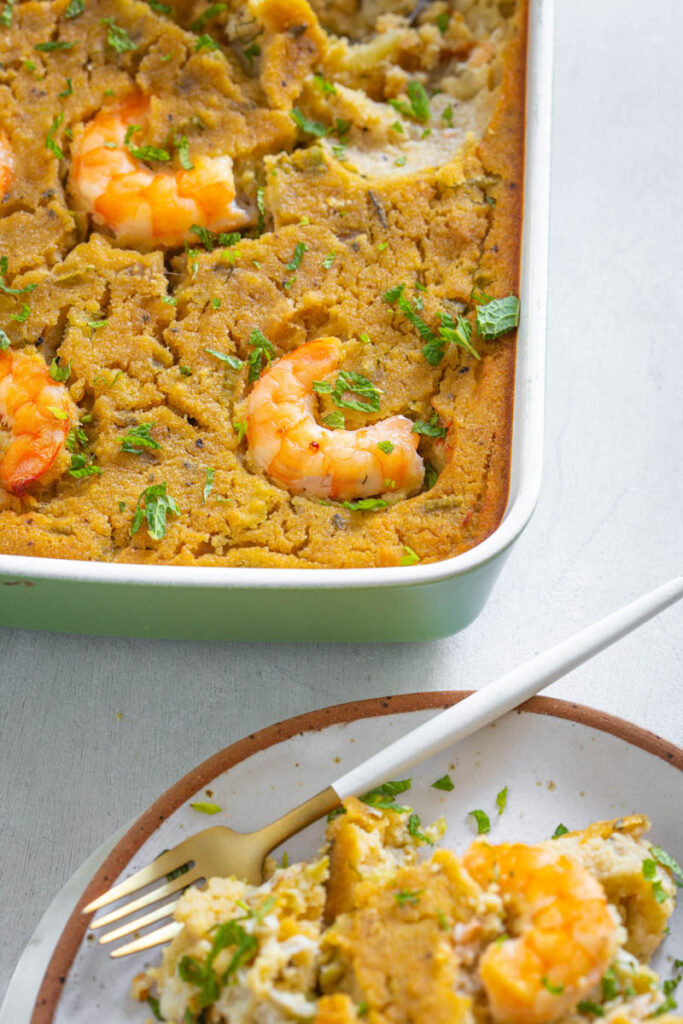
{"x": 92, "y": 730}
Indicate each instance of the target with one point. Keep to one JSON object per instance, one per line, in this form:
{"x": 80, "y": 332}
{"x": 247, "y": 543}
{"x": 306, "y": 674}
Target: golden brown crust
{"x": 455, "y": 228}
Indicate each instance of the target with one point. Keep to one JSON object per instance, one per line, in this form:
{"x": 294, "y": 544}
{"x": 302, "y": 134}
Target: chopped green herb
{"x": 386, "y": 446}
{"x": 186, "y": 371}
{"x": 147, "y": 153}
{"x": 561, "y": 830}
{"x": 405, "y": 896}
{"x": 23, "y": 315}
{"x": 383, "y": 796}
{"x": 649, "y": 868}
{"x": 199, "y": 23}
{"x": 409, "y": 557}
{"x": 329, "y": 260}
{"x": 60, "y": 373}
{"x": 430, "y": 429}
{"x": 586, "y": 1006}
{"x": 363, "y": 1009}
{"x": 138, "y": 438}
{"x": 431, "y": 476}
{"x": 251, "y": 51}
{"x": 609, "y": 985}
{"x": 210, "y": 239}
{"x": 208, "y": 486}
{"x": 205, "y": 42}
{"x": 240, "y": 428}
{"x": 263, "y": 349}
{"x": 339, "y": 152}
{"x": 490, "y": 200}
{"x": 458, "y": 333}
{"x": 348, "y": 382}
{"x": 447, "y": 116}
{"x": 58, "y": 413}
{"x": 160, "y": 8}
{"x": 299, "y": 251}
{"x": 51, "y": 45}
{"x": 215, "y": 303}
{"x": 130, "y": 132}
{"x": 501, "y": 799}
{"x": 415, "y": 830}
{"x": 659, "y": 892}
{"x": 74, "y": 9}
{"x": 117, "y": 37}
{"x": 80, "y": 466}
{"x": 206, "y": 808}
{"x": 442, "y": 21}
{"x": 96, "y": 324}
{"x": 382, "y": 246}
{"x": 5, "y": 288}
{"x": 153, "y": 1004}
{"x": 555, "y": 990}
{"x": 445, "y": 782}
{"x": 365, "y": 504}
{"x": 396, "y": 127}
{"x": 170, "y": 300}
{"x": 418, "y": 100}
{"x": 261, "y": 207}
{"x": 4, "y": 341}
{"x": 233, "y": 361}
{"x": 183, "y": 151}
{"x": 393, "y": 294}
{"x": 335, "y": 420}
{"x": 306, "y": 125}
{"x": 6, "y": 14}
{"x": 498, "y": 317}
{"x": 443, "y": 921}
{"x": 341, "y": 126}
{"x": 667, "y": 861}
{"x": 68, "y": 91}
{"x": 482, "y": 821}
{"x": 154, "y": 505}
{"x": 202, "y": 974}
{"x": 324, "y": 85}
{"x": 365, "y": 338}
{"x": 400, "y": 161}
{"x": 50, "y": 137}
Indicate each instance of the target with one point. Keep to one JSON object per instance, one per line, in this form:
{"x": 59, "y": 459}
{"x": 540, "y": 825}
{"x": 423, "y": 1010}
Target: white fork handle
{"x": 500, "y": 696}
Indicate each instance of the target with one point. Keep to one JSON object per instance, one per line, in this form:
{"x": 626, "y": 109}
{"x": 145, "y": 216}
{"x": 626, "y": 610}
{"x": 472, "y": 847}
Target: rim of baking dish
{"x": 527, "y": 431}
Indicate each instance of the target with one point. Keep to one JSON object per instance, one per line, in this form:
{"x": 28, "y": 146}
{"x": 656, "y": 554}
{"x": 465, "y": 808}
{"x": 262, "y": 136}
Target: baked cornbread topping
{"x": 386, "y": 926}
{"x": 263, "y": 259}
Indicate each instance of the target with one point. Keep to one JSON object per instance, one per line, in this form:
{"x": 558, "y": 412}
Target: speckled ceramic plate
{"x": 561, "y": 763}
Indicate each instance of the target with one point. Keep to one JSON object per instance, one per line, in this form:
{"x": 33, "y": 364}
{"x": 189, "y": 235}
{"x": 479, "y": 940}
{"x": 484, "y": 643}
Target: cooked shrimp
{"x": 564, "y": 936}
{"x": 38, "y": 414}
{"x": 6, "y": 165}
{"x": 141, "y": 206}
{"x": 288, "y": 444}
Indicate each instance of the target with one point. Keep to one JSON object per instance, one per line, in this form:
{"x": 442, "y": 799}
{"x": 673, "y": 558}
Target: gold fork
{"x": 222, "y": 851}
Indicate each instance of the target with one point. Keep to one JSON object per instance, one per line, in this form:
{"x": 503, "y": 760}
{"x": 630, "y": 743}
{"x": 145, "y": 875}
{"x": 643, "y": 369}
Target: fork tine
{"x": 164, "y": 934}
{"x": 150, "y": 897}
{"x": 139, "y": 922}
{"x": 167, "y": 862}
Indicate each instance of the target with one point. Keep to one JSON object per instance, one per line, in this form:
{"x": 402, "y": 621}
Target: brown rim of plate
{"x": 199, "y": 777}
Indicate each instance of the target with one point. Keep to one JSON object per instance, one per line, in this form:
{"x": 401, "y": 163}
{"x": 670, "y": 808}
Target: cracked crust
{"x": 454, "y": 229}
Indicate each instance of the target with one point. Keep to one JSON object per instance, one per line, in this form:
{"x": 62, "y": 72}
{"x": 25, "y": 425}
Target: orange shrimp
{"x": 287, "y": 443}
{"x": 38, "y": 413}
{"x": 564, "y": 935}
{"x": 6, "y": 165}
{"x": 141, "y": 206}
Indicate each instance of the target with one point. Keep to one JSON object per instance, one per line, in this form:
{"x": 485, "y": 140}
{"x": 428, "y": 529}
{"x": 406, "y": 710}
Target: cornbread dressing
{"x": 353, "y": 188}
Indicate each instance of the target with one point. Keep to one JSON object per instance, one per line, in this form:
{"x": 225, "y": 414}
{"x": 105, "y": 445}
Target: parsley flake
{"x": 59, "y": 373}
{"x": 383, "y": 796}
{"x": 74, "y": 9}
{"x": 154, "y": 505}
{"x": 50, "y": 137}
{"x": 232, "y": 361}
{"x": 386, "y": 446}
{"x": 555, "y": 990}
{"x": 138, "y": 438}
{"x": 23, "y": 314}
{"x": 68, "y": 91}
{"x": 52, "y": 45}
{"x": 667, "y": 861}
{"x": 329, "y": 260}
{"x": 153, "y": 1004}
{"x": 430, "y": 429}
{"x": 482, "y": 821}
{"x": 205, "y": 42}
{"x": 365, "y": 504}
{"x": 409, "y": 557}
{"x": 594, "y": 1009}
{"x": 335, "y": 420}
{"x": 501, "y": 799}
{"x": 183, "y": 151}
{"x": 445, "y": 783}
{"x": 295, "y": 261}
{"x": 5, "y": 288}
{"x": 442, "y": 21}
{"x": 561, "y": 830}
{"x": 316, "y": 128}
{"x": 415, "y": 830}
{"x": 203, "y": 19}
{"x": 208, "y": 486}
{"x": 349, "y": 383}
{"x": 6, "y": 14}
{"x": 263, "y": 349}
{"x": 117, "y": 37}
{"x": 240, "y": 428}
{"x": 4, "y": 341}
{"x": 405, "y": 896}
{"x": 324, "y": 85}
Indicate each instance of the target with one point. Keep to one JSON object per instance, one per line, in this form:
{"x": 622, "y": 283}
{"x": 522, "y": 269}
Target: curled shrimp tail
{"x": 293, "y": 449}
